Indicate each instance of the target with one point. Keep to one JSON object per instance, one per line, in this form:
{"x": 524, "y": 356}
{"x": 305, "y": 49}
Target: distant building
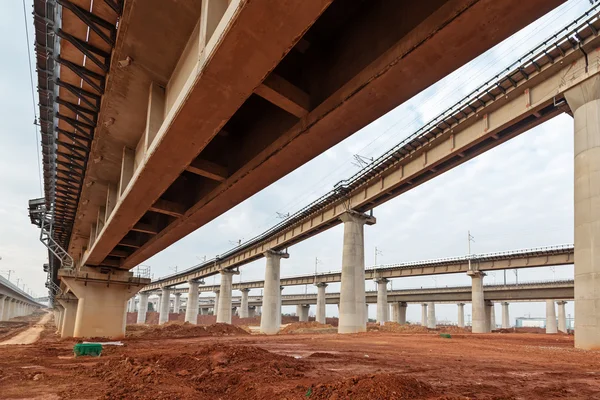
{"x": 538, "y": 322}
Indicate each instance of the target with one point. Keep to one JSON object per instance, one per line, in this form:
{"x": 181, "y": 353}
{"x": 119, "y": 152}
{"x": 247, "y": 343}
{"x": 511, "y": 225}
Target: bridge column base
{"x": 69, "y": 314}
{"x": 101, "y": 309}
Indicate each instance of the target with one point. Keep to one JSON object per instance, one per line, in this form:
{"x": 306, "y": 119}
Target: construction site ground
{"x": 226, "y": 362}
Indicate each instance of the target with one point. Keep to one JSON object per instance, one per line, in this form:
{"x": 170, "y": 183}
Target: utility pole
{"x": 469, "y": 240}
{"x": 9, "y": 271}
{"x": 317, "y": 262}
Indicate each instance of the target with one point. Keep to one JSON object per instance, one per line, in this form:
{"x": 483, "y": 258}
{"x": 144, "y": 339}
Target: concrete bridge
{"x": 147, "y": 149}
{"x": 14, "y": 302}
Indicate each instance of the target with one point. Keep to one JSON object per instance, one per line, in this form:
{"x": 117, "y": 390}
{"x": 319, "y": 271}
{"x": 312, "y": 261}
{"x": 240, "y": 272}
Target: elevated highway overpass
{"x": 525, "y": 258}
{"x": 183, "y": 137}
{"x": 14, "y": 302}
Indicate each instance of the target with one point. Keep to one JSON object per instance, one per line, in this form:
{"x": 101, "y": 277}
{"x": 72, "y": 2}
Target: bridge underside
{"x": 197, "y": 120}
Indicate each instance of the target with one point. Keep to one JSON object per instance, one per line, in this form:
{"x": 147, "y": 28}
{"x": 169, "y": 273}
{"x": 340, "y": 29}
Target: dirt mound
{"x": 320, "y": 354}
{"x": 305, "y": 327}
{"x": 396, "y": 327}
{"x": 181, "y": 330}
{"x": 237, "y": 372}
{"x": 452, "y": 329}
{"x": 381, "y": 386}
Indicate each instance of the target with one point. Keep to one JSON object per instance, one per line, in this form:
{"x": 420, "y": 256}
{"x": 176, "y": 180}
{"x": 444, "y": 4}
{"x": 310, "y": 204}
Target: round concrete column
{"x": 479, "y": 321}
{"x": 382, "y": 303}
{"x": 216, "y": 306}
{"x": 461, "y": 315}
{"x": 177, "y": 303}
{"x": 191, "y": 309}
{"x": 492, "y": 316}
{"x": 224, "y": 306}
{"x": 270, "y": 320}
{"x": 431, "y": 322}
{"x": 165, "y": 305}
{"x": 142, "y": 308}
{"x": 584, "y": 101}
{"x": 562, "y": 316}
{"x": 402, "y": 313}
{"x": 244, "y": 305}
{"x": 320, "y": 313}
{"x": 505, "y": 316}
{"x": 352, "y": 294}
{"x": 551, "y": 326}
{"x": 424, "y": 314}
{"x": 158, "y": 302}
{"x": 304, "y": 309}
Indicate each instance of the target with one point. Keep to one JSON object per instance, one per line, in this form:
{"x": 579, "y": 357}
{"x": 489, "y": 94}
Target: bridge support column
{"x": 562, "y": 316}
{"x": 431, "y": 322}
{"x": 177, "y": 303}
{"x": 131, "y": 304}
{"x": 394, "y": 312}
{"x": 3, "y": 299}
{"x": 424, "y": 314}
{"x": 302, "y": 311}
{"x": 142, "y": 308}
{"x": 191, "y": 309}
{"x": 280, "y": 304}
{"x": 461, "y": 315}
{"x": 488, "y": 316}
{"x": 551, "y": 317}
{"x": 352, "y": 293}
{"x": 505, "y": 316}
{"x": 216, "y": 306}
{"x": 584, "y": 101}
{"x": 382, "y": 303}
{"x": 270, "y": 320}
{"x": 102, "y": 300}
{"x": 158, "y": 302}
{"x": 58, "y": 316}
{"x": 479, "y": 321}
{"x": 69, "y": 315}
{"x": 244, "y": 310}
{"x": 224, "y": 306}
{"x": 402, "y": 313}
{"x": 320, "y": 312}
{"x": 165, "y": 306}
{"x": 492, "y": 316}
{"x": 251, "y": 312}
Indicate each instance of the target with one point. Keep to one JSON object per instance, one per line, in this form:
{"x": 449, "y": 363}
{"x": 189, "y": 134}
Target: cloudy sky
{"x": 519, "y": 195}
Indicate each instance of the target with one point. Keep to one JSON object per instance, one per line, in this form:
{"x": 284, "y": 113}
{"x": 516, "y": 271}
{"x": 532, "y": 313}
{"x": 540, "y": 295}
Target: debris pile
{"x": 182, "y": 330}
{"x": 307, "y": 327}
{"x": 380, "y": 386}
{"x": 215, "y": 371}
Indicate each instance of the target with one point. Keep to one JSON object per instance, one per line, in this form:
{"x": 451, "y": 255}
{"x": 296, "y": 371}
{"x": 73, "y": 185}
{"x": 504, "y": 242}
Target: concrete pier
{"x": 216, "y": 306}
{"x": 488, "y": 316}
{"x": 584, "y": 101}
{"x": 177, "y": 303}
{"x": 320, "y": 311}
{"x": 302, "y": 312}
{"x": 224, "y": 306}
{"x": 551, "y": 325}
{"x": 424, "y": 314}
{"x": 165, "y": 305}
{"x": 479, "y": 316}
{"x": 191, "y": 309}
{"x": 505, "y": 316}
{"x": 461, "y": 315}
{"x": 352, "y": 294}
{"x": 562, "y": 316}
{"x": 402, "y": 313}
{"x": 244, "y": 304}
{"x": 431, "y": 321}
{"x": 382, "y": 303}
{"x": 69, "y": 304}
{"x": 142, "y": 308}
{"x": 492, "y": 316}
{"x": 270, "y": 321}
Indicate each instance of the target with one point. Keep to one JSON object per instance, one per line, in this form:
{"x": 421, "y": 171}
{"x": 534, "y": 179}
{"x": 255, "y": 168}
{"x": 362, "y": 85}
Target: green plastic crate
{"x": 87, "y": 349}
{"x": 445, "y": 335}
